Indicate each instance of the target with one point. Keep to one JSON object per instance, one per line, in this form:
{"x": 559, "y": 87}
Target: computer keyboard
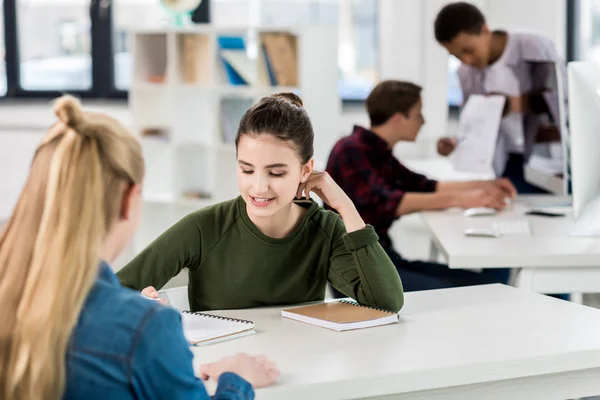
{"x": 512, "y": 227}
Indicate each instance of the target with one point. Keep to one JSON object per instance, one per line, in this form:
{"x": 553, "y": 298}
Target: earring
{"x": 303, "y": 180}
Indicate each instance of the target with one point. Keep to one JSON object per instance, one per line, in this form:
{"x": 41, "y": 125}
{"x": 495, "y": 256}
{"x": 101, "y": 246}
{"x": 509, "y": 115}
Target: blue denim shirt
{"x": 127, "y": 347}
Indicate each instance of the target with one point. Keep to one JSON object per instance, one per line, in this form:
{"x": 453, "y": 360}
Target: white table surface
{"x": 549, "y": 260}
{"x": 549, "y": 245}
{"x": 489, "y": 341}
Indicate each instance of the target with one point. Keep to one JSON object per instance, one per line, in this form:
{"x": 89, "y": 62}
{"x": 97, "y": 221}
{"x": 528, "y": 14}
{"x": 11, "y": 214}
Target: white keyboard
{"x": 512, "y": 227}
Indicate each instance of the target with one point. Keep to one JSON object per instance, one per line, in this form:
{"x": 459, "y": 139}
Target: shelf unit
{"x": 179, "y": 95}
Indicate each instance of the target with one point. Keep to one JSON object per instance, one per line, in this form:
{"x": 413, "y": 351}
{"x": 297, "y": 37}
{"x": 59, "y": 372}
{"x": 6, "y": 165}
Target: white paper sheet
{"x": 477, "y": 134}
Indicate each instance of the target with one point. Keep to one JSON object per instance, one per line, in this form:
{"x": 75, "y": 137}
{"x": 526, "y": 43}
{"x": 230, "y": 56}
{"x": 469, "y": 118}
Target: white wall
{"x": 22, "y": 126}
{"x": 546, "y": 16}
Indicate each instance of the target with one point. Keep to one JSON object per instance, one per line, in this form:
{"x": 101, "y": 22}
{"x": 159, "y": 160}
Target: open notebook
{"x": 341, "y": 315}
{"x": 201, "y": 328}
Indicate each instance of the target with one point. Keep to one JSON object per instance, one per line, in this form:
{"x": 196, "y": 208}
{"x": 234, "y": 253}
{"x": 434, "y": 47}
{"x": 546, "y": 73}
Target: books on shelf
{"x": 234, "y": 59}
{"x": 185, "y": 108}
{"x": 239, "y": 62}
{"x": 151, "y": 57}
{"x": 195, "y": 54}
{"x": 278, "y": 65}
{"x": 341, "y": 315}
{"x": 195, "y": 195}
{"x": 155, "y": 132}
{"x": 190, "y": 73}
{"x": 280, "y": 52}
{"x": 202, "y": 328}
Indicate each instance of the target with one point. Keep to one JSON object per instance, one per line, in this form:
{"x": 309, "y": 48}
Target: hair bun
{"x": 68, "y": 110}
{"x": 291, "y": 97}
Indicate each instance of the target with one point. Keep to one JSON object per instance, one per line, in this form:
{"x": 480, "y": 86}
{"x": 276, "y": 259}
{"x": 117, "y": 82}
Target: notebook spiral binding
{"x": 353, "y": 303}
{"x": 243, "y": 321}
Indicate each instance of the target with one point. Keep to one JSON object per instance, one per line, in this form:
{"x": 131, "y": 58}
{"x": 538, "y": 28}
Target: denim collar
{"x": 106, "y": 274}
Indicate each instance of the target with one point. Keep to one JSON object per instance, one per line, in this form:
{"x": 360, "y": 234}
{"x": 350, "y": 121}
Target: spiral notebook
{"x": 201, "y": 328}
{"x": 342, "y": 315}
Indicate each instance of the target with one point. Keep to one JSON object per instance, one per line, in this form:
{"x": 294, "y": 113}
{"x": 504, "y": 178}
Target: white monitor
{"x": 584, "y": 122}
{"x": 548, "y": 166}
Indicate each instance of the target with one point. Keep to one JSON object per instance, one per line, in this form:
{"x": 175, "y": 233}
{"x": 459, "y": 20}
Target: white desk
{"x": 492, "y": 342}
{"x": 550, "y": 260}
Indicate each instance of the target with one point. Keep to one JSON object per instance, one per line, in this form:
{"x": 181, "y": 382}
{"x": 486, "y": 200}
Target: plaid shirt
{"x": 365, "y": 168}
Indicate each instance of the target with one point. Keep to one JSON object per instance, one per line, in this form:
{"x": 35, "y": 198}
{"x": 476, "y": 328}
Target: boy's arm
{"x": 458, "y": 194}
{"x": 417, "y": 202}
{"x": 501, "y": 186}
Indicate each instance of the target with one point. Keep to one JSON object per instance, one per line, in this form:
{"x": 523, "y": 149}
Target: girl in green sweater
{"x": 266, "y": 247}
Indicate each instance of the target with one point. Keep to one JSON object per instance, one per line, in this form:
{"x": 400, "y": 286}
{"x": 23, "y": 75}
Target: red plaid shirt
{"x": 365, "y": 168}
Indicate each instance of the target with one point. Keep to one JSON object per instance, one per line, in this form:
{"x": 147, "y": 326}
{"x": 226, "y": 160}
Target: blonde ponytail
{"x": 49, "y": 250}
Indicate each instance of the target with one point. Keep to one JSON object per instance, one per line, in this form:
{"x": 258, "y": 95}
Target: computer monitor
{"x": 548, "y": 166}
{"x": 584, "y": 123}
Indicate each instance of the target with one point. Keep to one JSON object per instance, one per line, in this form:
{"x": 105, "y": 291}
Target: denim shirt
{"x": 127, "y": 347}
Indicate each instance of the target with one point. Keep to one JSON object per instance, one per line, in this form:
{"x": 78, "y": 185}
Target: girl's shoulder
{"x": 329, "y": 221}
{"x": 214, "y": 217}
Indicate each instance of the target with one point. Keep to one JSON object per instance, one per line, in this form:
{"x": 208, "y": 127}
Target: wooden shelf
{"x": 189, "y": 103}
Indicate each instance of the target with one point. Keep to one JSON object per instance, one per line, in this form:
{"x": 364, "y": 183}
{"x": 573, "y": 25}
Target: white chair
{"x": 177, "y": 297}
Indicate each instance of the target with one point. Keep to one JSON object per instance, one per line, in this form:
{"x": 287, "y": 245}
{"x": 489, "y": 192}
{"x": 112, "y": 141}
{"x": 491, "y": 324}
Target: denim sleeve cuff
{"x": 361, "y": 238}
{"x": 232, "y": 386}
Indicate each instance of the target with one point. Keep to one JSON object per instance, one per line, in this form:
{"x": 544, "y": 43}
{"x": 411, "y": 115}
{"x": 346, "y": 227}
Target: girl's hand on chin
{"x": 325, "y": 187}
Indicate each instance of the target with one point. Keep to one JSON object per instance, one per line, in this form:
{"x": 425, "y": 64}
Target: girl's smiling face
{"x": 269, "y": 172}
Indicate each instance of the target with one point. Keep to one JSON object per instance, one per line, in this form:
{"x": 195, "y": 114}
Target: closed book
{"x": 341, "y": 315}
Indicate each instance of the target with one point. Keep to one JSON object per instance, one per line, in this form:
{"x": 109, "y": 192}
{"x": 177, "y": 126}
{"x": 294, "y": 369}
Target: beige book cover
{"x": 341, "y": 315}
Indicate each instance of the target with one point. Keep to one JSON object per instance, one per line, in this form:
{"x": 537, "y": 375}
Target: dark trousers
{"x": 423, "y": 275}
{"x": 515, "y": 172}
{"x": 426, "y": 275}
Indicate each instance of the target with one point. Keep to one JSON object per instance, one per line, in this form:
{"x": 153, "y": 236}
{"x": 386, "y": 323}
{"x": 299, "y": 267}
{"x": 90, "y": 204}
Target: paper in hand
{"x": 478, "y": 128}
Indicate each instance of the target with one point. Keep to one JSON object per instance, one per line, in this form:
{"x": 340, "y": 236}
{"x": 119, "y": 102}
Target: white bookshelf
{"x": 179, "y": 86}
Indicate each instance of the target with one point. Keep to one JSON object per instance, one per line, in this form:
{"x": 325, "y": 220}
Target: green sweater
{"x": 232, "y": 264}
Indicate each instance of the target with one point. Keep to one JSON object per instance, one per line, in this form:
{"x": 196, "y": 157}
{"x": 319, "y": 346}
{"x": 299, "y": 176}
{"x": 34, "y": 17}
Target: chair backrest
{"x": 176, "y": 297}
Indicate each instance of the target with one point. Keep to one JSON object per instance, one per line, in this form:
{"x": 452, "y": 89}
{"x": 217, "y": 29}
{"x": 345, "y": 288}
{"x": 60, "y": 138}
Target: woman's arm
{"x": 325, "y": 187}
{"x": 178, "y": 247}
{"x": 361, "y": 269}
{"x": 161, "y": 363}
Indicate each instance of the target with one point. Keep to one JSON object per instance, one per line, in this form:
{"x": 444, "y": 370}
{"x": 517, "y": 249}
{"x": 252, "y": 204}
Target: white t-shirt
{"x": 512, "y": 75}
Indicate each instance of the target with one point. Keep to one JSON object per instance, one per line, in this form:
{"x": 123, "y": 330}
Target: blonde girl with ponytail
{"x": 67, "y": 327}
